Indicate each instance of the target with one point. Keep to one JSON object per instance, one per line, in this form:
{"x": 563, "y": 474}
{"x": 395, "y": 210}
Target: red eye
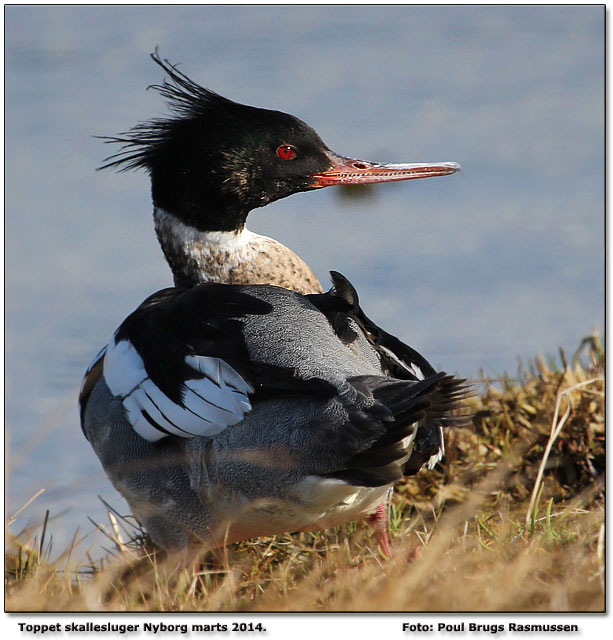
{"x": 286, "y": 152}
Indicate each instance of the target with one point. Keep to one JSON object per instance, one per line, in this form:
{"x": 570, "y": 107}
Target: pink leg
{"x": 378, "y": 521}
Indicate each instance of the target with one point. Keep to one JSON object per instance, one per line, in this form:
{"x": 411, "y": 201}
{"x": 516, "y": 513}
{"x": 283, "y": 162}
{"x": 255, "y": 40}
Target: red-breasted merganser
{"x": 245, "y": 401}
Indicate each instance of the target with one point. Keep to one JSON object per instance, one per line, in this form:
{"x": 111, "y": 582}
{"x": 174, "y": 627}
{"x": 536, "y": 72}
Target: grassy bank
{"x": 513, "y": 520}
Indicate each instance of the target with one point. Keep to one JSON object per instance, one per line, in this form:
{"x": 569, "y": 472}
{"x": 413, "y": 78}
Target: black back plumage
{"x": 344, "y": 306}
{"x": 173, "y": 323}
{"x": 398, "y": 360}
{"x": 206, "y": 320}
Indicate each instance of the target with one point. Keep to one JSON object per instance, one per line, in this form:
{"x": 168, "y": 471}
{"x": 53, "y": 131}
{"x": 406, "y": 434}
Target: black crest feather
{"x": 186, "y": 99}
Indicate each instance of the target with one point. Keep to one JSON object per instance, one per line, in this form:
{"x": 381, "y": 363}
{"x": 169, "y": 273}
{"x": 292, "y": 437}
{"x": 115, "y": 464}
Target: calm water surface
{"x": 475, "y": 270}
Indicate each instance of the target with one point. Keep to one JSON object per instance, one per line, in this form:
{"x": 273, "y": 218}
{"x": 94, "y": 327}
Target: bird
{"x": 245, "y": 401}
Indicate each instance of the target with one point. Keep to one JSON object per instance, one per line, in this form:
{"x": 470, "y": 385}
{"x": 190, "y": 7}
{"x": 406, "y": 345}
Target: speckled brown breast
{"x": 265, "y": 263}
{"x": 241, "y": 257}
{"x": 272, "y": 263}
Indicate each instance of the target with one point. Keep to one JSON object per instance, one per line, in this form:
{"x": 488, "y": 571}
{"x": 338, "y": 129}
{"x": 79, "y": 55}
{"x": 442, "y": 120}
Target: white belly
{"x": 316, "y": 503}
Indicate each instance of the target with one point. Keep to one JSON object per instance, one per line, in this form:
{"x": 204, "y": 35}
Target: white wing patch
{"x": 208, "y": 406}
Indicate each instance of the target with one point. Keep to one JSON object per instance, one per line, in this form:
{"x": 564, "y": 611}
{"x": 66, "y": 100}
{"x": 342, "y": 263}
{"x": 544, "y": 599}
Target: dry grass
{"x": 512, "y": 521}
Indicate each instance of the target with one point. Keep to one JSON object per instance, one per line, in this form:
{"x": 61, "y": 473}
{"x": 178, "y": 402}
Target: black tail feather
{"x": 415, "y": 410}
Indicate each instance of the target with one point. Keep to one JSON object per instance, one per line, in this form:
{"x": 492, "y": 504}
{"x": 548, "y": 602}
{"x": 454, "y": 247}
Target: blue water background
{"x": 475, "y": 270}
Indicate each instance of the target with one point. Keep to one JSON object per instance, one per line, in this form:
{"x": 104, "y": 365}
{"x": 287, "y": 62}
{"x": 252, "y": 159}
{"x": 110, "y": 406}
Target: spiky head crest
{"x": 186, "y": 99}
